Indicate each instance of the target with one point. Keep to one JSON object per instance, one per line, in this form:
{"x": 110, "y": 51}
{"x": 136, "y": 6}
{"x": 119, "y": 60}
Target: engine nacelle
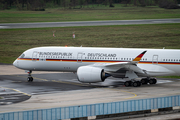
{"x": 88, "y": 74}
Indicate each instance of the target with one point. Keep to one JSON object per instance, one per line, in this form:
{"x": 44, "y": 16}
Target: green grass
{"x": 87, "y": 14}
{"x": 14, "y": 41}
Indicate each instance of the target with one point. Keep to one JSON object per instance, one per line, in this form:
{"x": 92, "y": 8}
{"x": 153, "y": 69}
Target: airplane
{"x": 93, "y": 64}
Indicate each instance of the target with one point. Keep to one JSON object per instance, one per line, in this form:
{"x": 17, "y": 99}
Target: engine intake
{"x": 88, "y": 74}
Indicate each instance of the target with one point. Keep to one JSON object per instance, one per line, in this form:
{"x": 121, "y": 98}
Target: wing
{"x": 128, "y": 66}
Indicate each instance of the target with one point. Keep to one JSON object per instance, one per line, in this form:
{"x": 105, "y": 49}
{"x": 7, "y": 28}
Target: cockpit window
{"x": 22, "y": 56}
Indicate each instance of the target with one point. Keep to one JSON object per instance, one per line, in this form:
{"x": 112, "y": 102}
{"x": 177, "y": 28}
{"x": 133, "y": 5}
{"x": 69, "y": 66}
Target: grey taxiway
{"x": 58, "y": 89}
{"x": 87, "y": 23}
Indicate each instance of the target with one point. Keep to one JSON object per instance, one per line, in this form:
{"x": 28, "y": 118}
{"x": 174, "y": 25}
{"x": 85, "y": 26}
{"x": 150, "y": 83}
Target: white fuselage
{"x": 156, "y": 62}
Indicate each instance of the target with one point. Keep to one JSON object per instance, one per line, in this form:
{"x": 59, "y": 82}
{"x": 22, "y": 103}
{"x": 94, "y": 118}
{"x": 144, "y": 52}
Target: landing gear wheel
{"x": 135, "y": 84}
{"x": 152, "y": 81}
{"x": 30, "y": 79}
{"x": 139, "y": 83}
{"x": 155, "y": 81}
{"x": 127, "y": 83}
{"x": 144, "y": 81}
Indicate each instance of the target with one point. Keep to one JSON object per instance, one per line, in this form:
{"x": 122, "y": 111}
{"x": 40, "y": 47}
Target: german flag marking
{"x": 138, "y": 58}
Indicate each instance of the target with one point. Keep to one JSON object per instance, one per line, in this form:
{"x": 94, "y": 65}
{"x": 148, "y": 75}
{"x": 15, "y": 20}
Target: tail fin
{"x": 138, "y": 58}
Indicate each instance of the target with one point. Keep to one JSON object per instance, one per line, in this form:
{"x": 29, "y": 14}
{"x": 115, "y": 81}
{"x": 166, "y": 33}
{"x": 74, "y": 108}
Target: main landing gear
{"x": 139, "y": 83}
{"x": 148, "y": 80}
{"x": 132, "y": 83}
{"x": 30, "y": 78}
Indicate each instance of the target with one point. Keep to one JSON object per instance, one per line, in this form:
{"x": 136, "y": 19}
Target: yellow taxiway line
{"x": 16, "y": 90}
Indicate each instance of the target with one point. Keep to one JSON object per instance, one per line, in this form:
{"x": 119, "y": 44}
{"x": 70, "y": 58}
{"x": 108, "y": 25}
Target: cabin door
{"x": 34, "y": 56}
{"x": 80, "y": 57}
{"x": 155, "y": 59}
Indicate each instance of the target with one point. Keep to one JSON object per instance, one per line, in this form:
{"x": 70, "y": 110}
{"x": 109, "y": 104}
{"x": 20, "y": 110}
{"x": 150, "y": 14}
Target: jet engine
{"x": 88, "y": 74}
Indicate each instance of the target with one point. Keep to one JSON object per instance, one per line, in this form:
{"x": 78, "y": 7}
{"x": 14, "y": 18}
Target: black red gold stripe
{"x": 101, "y": 61}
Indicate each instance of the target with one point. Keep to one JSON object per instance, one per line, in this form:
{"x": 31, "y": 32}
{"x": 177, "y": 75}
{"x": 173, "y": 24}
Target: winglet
{"x": 138, "y": 58}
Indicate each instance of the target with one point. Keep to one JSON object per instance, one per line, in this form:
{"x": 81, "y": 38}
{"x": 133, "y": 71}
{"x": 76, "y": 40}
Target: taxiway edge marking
{"x": 135, "y": 95}
{"x": 16, "y": 91}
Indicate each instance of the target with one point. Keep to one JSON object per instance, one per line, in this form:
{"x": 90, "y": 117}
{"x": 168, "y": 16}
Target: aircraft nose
{"x": 15, "y": 63}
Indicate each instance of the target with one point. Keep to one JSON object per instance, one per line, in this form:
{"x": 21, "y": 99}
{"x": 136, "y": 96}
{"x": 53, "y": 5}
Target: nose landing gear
{"x": 30, "y": 78}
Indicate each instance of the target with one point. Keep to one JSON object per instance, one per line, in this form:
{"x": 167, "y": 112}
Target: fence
{"x": 93, "y": 109}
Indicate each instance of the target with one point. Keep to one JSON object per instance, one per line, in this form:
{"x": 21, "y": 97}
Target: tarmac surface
{"x": 57, "y": 89}
{"x": 87, "y": 23}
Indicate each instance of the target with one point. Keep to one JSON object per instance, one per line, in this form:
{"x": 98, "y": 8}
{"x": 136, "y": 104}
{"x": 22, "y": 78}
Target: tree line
{"x": 78, "y": 4}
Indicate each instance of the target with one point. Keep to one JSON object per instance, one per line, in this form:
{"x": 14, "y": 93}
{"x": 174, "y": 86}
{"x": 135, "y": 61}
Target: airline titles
{"x": 56, "y": 53}
{"x": 100, "y": 55}
{"x": 69, "y": 54}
